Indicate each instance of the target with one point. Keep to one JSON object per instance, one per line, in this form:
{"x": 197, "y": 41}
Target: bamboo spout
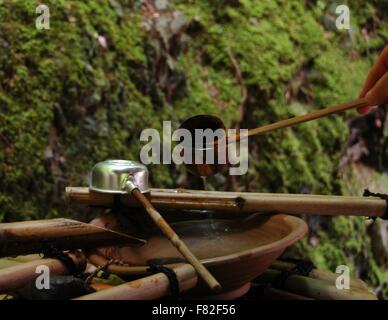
{"x": 241, "y": 202}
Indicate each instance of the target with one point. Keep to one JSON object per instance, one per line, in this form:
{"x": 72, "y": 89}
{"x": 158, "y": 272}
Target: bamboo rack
{"x": 17, "y": 276}
{"x": 148, "y": 288}
{"x": 239, "y": 202}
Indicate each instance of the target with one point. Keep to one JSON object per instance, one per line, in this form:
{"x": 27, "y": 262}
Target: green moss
{"x": 62, "y": 74}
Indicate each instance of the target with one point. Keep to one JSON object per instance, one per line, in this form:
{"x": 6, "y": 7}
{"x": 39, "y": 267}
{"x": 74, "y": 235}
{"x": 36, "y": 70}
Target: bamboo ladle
{"x": 119, "y": 177}
{"x": 212, "y": 122}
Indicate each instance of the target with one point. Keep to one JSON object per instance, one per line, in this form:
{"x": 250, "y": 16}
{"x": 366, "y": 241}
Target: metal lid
{"x": 110, "y": 176}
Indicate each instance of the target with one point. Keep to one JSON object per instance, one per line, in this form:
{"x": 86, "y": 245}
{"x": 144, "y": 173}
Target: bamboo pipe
{"x": 206, "y": 276}
{"x": 316, "y": 289}
{"x": 18, "y": 238}
{"x": 149, "y": 288}
{"x": 240, "y": 202}
{"x": 300, "y": 119}
{"x": 17, "y": 276}
{"x": 325, "y": 279}
{"x": 319, "y": 274}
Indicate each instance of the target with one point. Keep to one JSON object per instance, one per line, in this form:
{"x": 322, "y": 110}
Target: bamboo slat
{"x": 148, "y": 288}
{"x": 18, "y": 238}
{"x": 17, "y": 276}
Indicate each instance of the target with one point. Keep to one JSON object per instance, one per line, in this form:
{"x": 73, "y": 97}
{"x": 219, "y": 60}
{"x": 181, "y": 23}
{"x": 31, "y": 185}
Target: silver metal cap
{"x": 110, "y": 176}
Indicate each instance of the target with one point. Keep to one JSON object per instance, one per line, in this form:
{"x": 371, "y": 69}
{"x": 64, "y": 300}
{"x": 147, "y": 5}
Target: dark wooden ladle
{"x": 213, "y": 122}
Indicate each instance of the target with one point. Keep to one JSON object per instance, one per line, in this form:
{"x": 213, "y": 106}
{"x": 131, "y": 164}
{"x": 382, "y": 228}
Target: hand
{"x": 375, "y": 89}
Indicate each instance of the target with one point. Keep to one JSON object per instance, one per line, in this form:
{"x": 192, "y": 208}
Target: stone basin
{"x": 235, "y": 251}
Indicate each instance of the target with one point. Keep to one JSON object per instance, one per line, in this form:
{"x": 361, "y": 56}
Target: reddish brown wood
{"x": 18, "y": 238}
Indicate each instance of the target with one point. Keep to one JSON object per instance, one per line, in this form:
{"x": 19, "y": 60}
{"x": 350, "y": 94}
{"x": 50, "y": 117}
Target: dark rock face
{"x": 366, "y": 140}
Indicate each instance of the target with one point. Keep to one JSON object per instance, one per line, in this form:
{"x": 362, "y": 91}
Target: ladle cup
{"x": 206, "y": 167}
{"x": 212, "y": 122}
{"x": 130, "y": 177}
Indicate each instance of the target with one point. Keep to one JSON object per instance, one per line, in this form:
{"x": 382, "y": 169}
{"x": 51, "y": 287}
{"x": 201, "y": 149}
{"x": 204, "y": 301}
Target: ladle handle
{"x": 176, "y": 241}
{"x": 300, "y": 119}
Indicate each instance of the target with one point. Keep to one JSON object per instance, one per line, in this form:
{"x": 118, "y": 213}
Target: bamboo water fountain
{"x": 247, "y": 233}
{"x": 250, "y": 231}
